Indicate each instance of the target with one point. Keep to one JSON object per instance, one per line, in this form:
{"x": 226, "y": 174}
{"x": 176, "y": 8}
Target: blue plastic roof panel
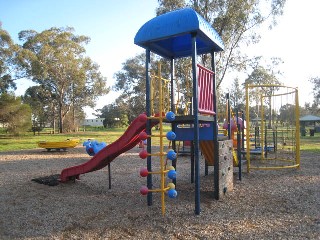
{"x": 169, "y": 35}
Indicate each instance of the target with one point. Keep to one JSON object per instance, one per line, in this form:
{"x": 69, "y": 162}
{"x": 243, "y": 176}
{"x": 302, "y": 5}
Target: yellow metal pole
{"x": 262, "y": 129}
{"x": 297, "y": 129}
{"x": 161, "y": 140}
{"x": 275, "y": 167}
{"x": 247, "y": 129}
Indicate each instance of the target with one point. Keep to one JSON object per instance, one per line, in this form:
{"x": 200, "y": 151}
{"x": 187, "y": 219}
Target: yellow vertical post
{"x": 262, "y": 129}
{"x": 161, "y": 140}
{"x": 247, "y": 129}
{"x": 297, "y": 112}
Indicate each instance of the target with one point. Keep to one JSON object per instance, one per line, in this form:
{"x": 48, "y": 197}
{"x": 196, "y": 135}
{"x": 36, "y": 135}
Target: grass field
{"x": 311, "y": 143}
{"x": 29, "y": 141}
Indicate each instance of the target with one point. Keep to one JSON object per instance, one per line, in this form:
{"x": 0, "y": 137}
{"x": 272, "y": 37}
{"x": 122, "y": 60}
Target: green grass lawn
{"x": 311, "y": 144}
{"x": 29, "y": 141}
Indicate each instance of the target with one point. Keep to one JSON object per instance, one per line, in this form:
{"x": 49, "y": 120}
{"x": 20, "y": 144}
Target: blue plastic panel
{"x": 186, "y": 132}
{"x": 169, "y": 35}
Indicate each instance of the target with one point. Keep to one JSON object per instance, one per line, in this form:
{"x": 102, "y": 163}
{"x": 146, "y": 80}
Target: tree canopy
{"x": 42, "y": 106}
{"x": 7, "y": 62}
{"x": 316, "y": 94}
{"x": 55, "y": 60}
{"x": 235, "y": 21}
{"x": 14, "y": 115}
{"x": 131, "y": 82}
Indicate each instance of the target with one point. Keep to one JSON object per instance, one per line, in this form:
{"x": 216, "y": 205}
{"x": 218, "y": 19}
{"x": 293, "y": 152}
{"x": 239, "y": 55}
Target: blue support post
{"x": 196, "y": 124}
{"x": 192, "y": 162}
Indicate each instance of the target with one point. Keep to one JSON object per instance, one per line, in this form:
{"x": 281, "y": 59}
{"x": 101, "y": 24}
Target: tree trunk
{"x": 60, "y": 118}
{"x": 54, "y": 125}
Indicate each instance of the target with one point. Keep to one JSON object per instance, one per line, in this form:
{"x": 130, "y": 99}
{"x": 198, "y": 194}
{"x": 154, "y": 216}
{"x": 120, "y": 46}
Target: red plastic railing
{"x": 205, "y": 90}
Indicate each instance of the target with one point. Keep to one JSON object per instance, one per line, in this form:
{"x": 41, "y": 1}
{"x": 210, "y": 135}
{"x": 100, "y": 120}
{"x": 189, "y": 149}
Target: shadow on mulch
{"x": 52, "y": 180}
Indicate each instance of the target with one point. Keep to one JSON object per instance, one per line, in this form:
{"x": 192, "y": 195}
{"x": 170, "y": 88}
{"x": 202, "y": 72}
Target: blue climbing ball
{"x": 171, "y": 136}
{"x": 172, "y": 193}
{"x": 172, "y": 174}
{"x": 170, "y": 116}
{"x": 171, "y": 155}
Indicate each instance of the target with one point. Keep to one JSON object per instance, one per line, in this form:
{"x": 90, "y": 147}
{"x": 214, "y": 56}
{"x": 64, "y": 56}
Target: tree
{"x": 261, "y": 76}
{"x": 237, "y": 95}
{"x": 14, "y": 115}
{"x": 264, "y": 76}
{"x": 316, "y": 94}
{"x": 236, "y": 22}
{"x": 131, "y": 82}
{"x": 287, "y": 114}
{"x": 42, "y": 105}
{"x": 7, "y": 62}
{"x": 55, "y": 60}
{"x": 169, "y": 5}
{"x": 74, "y": 119}
{"x": 113, "y": 116}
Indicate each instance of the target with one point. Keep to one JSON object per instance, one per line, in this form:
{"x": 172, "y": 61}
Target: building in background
{"x": 97, "y": 122}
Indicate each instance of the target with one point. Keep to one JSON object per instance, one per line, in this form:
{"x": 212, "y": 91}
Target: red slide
{"x": 127, "y": 141}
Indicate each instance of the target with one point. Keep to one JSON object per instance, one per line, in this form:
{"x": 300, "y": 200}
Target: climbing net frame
{"x": 273, "y": 136}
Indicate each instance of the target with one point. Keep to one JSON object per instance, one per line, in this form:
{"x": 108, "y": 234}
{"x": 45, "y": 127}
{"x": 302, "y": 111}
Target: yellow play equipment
{"x": 58, "y": 145}
{"x": 273, "y": 136}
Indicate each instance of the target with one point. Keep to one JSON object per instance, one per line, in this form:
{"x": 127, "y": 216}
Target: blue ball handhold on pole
{"x": 172, "y": 174}
{"x": 170, "y": 116}
{"x": 171, "y": 136}
{"x": 171, "y": 155}
{"x": 172, "y": 193}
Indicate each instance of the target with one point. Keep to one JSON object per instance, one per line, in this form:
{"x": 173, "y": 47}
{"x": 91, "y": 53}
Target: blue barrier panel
{"x": 185, "y": 132}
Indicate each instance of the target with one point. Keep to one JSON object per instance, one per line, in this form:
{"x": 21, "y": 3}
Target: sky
{"x": 113, "y": 24}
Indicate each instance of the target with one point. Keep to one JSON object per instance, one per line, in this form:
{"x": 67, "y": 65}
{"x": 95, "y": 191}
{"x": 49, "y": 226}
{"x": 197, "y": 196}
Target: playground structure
{"x": 64, "y": 145}
{"x": 183, "y": 33}
{"x": 178, "y": 34}
{"x": 198, "y": 125}
{"x": 272, "y": 134}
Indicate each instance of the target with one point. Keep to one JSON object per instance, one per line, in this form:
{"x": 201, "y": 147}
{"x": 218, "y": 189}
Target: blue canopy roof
{"x": 169, "y": 35}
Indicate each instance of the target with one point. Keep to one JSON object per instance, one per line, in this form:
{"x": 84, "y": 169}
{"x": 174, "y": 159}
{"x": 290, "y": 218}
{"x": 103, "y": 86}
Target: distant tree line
{"x": 65, "y": 79}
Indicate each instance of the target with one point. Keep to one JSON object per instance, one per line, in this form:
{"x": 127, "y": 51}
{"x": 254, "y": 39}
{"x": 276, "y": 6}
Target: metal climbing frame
{"x": 272, "y": 133}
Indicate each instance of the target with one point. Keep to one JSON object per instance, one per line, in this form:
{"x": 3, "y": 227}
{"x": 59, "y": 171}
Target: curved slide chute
{"x": 127, "y": 141}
